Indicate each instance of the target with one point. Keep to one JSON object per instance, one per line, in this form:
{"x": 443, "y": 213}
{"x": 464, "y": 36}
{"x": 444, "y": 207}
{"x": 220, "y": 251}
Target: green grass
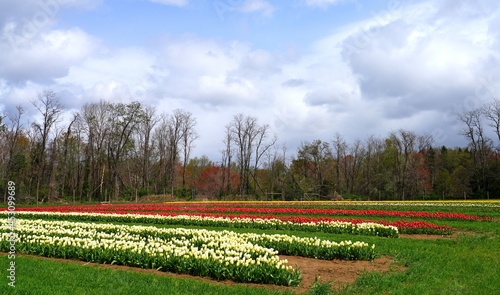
{"x": 468, "y": 265}
{"x": 42, "y": 276}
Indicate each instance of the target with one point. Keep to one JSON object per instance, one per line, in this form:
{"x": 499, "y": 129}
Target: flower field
{"x": 219, "y": 240}
{"x": 356, "y": 227}
{"x": 265, "y": 215}
{"x": 216, "y": 254}
{"x": 263, "y": 208}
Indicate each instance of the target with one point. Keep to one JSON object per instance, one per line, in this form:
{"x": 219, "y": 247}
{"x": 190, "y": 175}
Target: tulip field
{"x": 444, "y": 246}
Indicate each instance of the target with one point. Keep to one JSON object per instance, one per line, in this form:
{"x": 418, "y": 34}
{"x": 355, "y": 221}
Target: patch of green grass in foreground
{"x": 467, "y": 265}
{"x": 41, "y": 276}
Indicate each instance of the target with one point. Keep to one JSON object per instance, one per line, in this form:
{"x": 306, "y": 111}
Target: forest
{"x": 121, "y": 152}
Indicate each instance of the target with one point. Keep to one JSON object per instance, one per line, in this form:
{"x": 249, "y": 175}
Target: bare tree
{"x": 12, "y": 133}
{"x": 480, "y": 143}
{"x": 2, "y": 125}
{"x": 146, "y": 126}
{"x": 174, "y": 139}
{"x": 262, "y": 145}
{"x": 48, "y": 106}
{"x": 95, "y": 123}
{"x": 174, "y": 134}
{"x": 340, "y": 149}
{"x": 373, "y": 168}
{"x": 276, "y": 166}
{"x": 243, "y": 133}
{"x": 249, "y": 138}
{"x": 189, "y": 135}
{"x": 161, "y": 147}
{"x": 424, "y": 142}
{"x": 227, "y": 154}
{"x": 353, "y": 162}
{"x": 75, "y": 158}
{"x": 3, "y": 153}
{"x": 492, "y": 113}
{"x": 123, "y": 122}
{"x": 314, "y": 158}
{"x": 65, "y": 170}
{"x": 53, "y": 164}
{"x": 404, "y": 142}
{"x": 406, "y": 145}
{"x": 471, "y": 119}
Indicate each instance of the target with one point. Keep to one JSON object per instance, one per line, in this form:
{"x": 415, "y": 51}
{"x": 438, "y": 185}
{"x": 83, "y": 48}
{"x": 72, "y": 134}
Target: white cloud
{"x": 209, "y": 72}
{"x": 190, "y": 69}
{"x": 127, "y": 66}
{"x": 171, "y": 2}
{"x": 405, "y": 67}
{"x": 414, "y": 68}
{"x": 260, "y": 6}
{"x": 419, "y": 65}
{"x": 47, "y": 57}
{"x": 324, "y": 3}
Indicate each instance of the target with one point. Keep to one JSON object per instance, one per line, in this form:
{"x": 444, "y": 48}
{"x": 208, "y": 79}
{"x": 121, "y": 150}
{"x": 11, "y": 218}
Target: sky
{"x": 307, "y": 68}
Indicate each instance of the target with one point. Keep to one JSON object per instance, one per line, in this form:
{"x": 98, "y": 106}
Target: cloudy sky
{"x": 308, "y": 68}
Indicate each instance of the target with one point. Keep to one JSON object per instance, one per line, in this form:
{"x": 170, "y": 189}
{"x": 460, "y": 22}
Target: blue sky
{"x": 133, "y": 22}
{"x": 308, "y": 68}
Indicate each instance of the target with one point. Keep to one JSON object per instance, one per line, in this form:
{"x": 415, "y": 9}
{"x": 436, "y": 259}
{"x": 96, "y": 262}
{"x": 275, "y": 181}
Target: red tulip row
{"x": 404, "y": 226}
{"x": 233, "y": 208}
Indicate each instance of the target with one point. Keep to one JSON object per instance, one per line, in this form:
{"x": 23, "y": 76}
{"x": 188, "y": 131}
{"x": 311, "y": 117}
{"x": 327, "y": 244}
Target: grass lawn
{"x": 44, "y": 276}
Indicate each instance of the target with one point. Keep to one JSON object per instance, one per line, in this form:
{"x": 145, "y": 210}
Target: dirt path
{"x": 337, "y": 272}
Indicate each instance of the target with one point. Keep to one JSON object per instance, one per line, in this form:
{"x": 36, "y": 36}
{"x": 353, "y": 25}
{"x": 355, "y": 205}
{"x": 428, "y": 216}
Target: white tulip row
{"x": 91, "y": 236}
{"x": 327, "y": 226}
{"x": 230, "y": 242}
{"x": 221, "y": 255}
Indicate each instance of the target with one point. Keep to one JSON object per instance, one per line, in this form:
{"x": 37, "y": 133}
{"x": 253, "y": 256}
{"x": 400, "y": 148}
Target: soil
{"x": 337, "y": 273}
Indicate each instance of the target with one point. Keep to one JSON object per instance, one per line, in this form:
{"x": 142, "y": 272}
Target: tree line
{"x": 115, "y": 151}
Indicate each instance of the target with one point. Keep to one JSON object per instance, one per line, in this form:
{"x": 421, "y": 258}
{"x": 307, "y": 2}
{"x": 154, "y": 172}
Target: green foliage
{"x": 354, "y": 197}
{"x": 142, "y": 192}
{"x": 185, "y": 193}
{"x": 318, "y": 288}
